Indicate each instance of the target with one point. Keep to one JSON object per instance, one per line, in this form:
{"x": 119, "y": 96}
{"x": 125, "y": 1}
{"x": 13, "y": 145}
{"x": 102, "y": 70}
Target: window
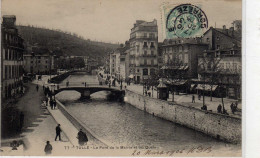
{"x": 137, "y": 48}
{"x": 145, "y": 61}
{"x": 6, "y": 71}
{"x": 207, "y": 39}
{"x": 39, "y": 57}
{"x": 151, "y": 35}
{"x": 152, "y": 52}
{"x": 152, "y": 44}
{"x": 152, "y": 62}
{"x": 6, "y": 55}
{"x": 145, "y": 71}
{"x": 39, "y": 61}
{"x": 9, "y": 54}
{"x": 218, "y": 38}
{"x": 46, "y": 67}
{"x": 185, "y": 58}
{"x": 138, "y": 70}
{"x": 145, "y": 44}
{"x": 180, "y": 48}
{"x": 145, "y": 34}
{"x": 218, "y": 46}
{"x": 46, "y": 61}
{"x": 152, "y": 71}
{"x": 180, "y": 57}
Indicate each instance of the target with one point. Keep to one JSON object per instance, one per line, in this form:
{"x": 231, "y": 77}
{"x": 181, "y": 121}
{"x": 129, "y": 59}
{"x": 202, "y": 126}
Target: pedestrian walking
{"x": 48, "y": 148}
{"x": 47, "y": 101}
{"x": 82, "y": 137}
{"x": 219, "y": 108}
{"x": 85, "y": 84}
{"x": 21, "y": 120}
{"x": 58, "y": 131}
{"x": 193, "y": 99}
{"x": 232, "y": 107}
{"x": 37, "y": 87}
{"x": 51, "y": 103}
{"x": 54, "y": 104}
{"x": 199, "y": 96}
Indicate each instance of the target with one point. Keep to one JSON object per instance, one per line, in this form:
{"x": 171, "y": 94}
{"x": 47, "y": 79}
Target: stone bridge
{"x": 86, "y": 89}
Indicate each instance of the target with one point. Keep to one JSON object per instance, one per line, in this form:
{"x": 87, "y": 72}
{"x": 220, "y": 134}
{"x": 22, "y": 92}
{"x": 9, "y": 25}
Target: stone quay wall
{"x": 59, "y": 78}
{"x": 219, "y": 126}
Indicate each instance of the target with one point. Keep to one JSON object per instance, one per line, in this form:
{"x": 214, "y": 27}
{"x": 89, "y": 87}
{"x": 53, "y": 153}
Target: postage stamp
{"x": 185, "y": 20}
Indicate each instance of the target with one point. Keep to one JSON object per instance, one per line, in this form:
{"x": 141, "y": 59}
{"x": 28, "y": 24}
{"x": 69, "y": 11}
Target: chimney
{"x": 155, "y": 21}
{"x": 225, "y": 30}
{"x": 231, "y": 31}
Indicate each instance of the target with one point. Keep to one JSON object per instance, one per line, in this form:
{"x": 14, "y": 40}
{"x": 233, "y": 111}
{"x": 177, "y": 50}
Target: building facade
{"x": 182, "y": 54}
{"x": 39, "y": 63}
{"x": 220, "y": 65}
{"x": 11, "y": 58}
{"x": 143, "y": 49}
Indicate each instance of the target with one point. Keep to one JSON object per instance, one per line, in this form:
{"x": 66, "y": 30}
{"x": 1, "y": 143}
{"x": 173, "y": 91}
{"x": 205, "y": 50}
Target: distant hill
{"x": 63, "y": 42}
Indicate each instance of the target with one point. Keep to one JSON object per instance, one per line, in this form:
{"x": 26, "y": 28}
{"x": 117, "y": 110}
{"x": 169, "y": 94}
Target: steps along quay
{"x": 123, "y": 124}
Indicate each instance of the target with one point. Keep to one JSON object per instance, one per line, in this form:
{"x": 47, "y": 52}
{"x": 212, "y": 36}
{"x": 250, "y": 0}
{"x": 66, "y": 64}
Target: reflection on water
{"x": 123, "y": 124}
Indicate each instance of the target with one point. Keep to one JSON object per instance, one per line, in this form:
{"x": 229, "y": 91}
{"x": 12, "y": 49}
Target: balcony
{"x": 147, "y": 55}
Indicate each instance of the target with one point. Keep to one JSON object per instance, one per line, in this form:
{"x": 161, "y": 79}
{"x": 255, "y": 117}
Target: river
{"x": 123, "y": 124}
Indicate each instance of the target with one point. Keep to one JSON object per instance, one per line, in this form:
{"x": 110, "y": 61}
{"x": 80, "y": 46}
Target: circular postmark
{"x": 186, "y": 21}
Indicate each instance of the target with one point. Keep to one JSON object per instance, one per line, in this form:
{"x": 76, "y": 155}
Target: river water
{"x": 123, "y": 124}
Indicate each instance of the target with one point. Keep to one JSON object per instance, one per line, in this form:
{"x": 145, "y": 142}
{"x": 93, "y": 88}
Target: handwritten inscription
{"x": 146, "y": 150}
{"x": 191, "y": 150}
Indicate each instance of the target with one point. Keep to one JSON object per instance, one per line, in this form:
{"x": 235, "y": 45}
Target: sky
{"x": 110, "y": 20}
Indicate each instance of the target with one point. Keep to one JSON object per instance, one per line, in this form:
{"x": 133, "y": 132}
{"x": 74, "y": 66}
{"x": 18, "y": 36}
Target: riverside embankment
{"x": 219, "y": 126}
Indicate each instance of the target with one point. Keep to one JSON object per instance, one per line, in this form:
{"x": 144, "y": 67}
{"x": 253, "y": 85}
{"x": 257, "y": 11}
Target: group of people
{"x": 222, "y": 110}
{"x": 81, "y": 136}
{"x": 53, "y": 103}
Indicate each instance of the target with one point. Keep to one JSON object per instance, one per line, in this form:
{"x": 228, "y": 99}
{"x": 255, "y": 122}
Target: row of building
{"x": 16, "y": 60}
{"x": 188, "y": 64}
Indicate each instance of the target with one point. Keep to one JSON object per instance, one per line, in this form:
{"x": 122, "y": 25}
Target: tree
{"x": 174, "y": 72}
{"x": 209, "y": 66}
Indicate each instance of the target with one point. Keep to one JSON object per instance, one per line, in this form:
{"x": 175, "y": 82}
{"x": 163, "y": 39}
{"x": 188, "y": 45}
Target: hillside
{"x": 63, "y": 42}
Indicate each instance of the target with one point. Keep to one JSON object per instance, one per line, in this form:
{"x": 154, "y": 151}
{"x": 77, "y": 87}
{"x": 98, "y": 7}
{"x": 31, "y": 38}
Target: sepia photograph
{"x": 139, "y": 78}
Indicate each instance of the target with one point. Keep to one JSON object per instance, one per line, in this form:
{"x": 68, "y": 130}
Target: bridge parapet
{"x": 86, "y": 89}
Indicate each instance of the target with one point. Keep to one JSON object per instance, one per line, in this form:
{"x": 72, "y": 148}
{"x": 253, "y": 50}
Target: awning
{"x": 175, "y": 67}
{"x": 131, "y": 76}
{"x": 174, "y": 82}
{"x": 206, "y": 87}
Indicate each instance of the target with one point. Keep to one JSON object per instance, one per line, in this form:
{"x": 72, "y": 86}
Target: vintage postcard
{"x": 139, "y": 78}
